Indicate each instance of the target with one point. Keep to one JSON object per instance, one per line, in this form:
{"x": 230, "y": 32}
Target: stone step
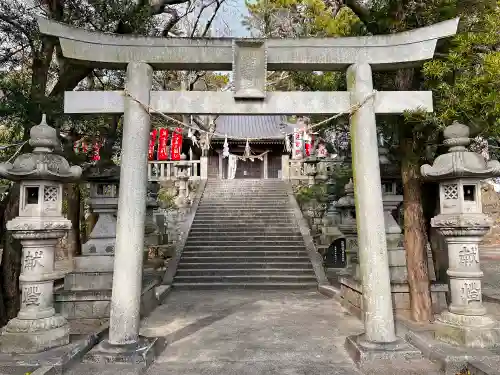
{"x": 88, "y": 280}
{"x": 234, "y": 236}
{"x": 243, "y": 211}
{"x": 245, "y": 218}
{"x": 202, "y": 230}
{"x": 244, "y": 265}
{"x": 272, "y": 207}
{"x": 245, "y": 278}
{"x": 241, "y": 253}
{"x": 247, "y": 223}
{"x": 248, "y": 285}
{"x": 243, "y": 271}
{"x": 191, "y": 243}
{"x": 238, "y": 260}
{"x": 213, "y": 227}
{"x": 249, "y": 197}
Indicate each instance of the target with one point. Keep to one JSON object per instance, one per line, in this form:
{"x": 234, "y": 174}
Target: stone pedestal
{"x": 400, "y": 292}
{"x": 463, "y": 225}
{"x": 37, "y": 327}
{"x": 39, "y": 225}
{"x": 87, "y": 289}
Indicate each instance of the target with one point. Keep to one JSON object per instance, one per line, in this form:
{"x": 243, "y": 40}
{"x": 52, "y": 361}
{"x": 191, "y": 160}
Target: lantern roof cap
{"x": 41, "y": 163}
{"x": 103, "y": 171}
{"x": 458, "y": 162}
{"x": 347, "y": 200}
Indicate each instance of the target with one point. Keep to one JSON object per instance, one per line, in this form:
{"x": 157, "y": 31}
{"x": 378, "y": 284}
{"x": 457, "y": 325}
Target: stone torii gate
{"x": 249, "y": 60}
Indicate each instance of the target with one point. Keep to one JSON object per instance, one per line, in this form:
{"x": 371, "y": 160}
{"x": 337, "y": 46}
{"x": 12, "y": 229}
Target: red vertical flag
{"x": 95, "y": 154}
{"x": 152, "y": 143}
{"x": 176, "y": 146}
{"x": 162, "y": 144}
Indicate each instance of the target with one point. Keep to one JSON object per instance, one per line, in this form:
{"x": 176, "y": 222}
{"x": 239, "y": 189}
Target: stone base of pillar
{"x": 34, "y": 335}
{"x": 141, "y": 354}
{"x": 468, "y": 331}
{"x": 351, "y": 294}
{"x": 366, "y": 353}
{"x": 87, "y": 289}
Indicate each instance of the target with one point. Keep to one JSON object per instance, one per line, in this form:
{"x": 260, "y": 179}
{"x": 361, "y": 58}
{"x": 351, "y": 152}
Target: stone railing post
{"x": 377, "y": 303}
{"x": 204, "y": 167}
{"x": 285, "y": 167}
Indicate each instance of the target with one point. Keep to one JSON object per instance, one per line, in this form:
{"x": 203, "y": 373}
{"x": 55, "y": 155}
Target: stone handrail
{"x": 165, "y": 170}
{"x": 296, "y": 169}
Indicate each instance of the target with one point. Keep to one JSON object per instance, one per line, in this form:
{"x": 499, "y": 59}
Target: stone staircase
{"x": 245, "y": 235}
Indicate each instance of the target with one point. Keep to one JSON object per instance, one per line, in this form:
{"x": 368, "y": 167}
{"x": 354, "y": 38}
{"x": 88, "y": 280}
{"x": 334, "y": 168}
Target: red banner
{"x": 152, "y": 143}
{"x": 297, "y": 144}
{"x": 95, "y": 152}
{"x": 308, "y": 145}
{"x": 176, "y": 145}
{"x": 162, "y": 144}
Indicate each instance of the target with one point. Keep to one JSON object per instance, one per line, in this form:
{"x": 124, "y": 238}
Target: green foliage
{"x": 464, "y": 77}
{"x": 167, "y": 198}
{"x": 466, "y": 83}
{"x": 316, "y": 193}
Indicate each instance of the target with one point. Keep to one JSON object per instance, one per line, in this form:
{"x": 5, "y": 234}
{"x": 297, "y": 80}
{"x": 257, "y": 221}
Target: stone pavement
{"x": 490, "y": 265}
{"x": 238, "y": 332}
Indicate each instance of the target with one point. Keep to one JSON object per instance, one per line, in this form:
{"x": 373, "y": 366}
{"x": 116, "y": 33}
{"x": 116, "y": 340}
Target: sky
{"x": 229, "y": 19}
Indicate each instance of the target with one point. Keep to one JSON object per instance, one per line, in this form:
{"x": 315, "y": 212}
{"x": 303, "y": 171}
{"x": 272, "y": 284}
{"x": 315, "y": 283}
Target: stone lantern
{"x": 463, "y": 225}
{"x": 311, "y": 169}
{"x": 151, "y": 230}
{"x": 39, "y": 225}
{"x": 104, "y": 185}
{"x": 347, "y": 207}
{"x": 390, "y": 176}
{"x": 87, "y": 288}
{"x": 183, "y": 174}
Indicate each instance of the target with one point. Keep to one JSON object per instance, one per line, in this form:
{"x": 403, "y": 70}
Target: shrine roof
{"x": 253, "y": 127}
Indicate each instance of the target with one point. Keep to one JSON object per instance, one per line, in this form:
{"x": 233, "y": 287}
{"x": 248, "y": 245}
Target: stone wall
{"x": 491, "y": 207}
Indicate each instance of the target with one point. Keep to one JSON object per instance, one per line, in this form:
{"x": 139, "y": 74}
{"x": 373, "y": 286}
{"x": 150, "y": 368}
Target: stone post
{"x": 39, "y": 225}
{"x": 151, "y": 231}
{"x": 183, "y": 173}
{"x": 311, "y": 169}
{"x": 127, "y": 278}
{"x": 285, "y": 167}
{"x": 204, "y": 167}
{"x": 373, "y": 259}
{"x": 347, "y": 225}
{"x": 463, "y": 225}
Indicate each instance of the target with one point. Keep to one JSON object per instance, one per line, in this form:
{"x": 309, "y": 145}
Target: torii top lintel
{"x": 382, "y": 52}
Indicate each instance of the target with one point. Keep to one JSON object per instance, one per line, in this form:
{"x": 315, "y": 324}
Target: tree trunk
{"x": 11, "y": 259}
{"x": 415, "y": 238}
{"x": 73, "y": 214}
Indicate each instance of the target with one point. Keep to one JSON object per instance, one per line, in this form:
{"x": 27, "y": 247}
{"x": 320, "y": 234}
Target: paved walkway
{"x": 490, "y": 265}
{"x": 245, "y": 332}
